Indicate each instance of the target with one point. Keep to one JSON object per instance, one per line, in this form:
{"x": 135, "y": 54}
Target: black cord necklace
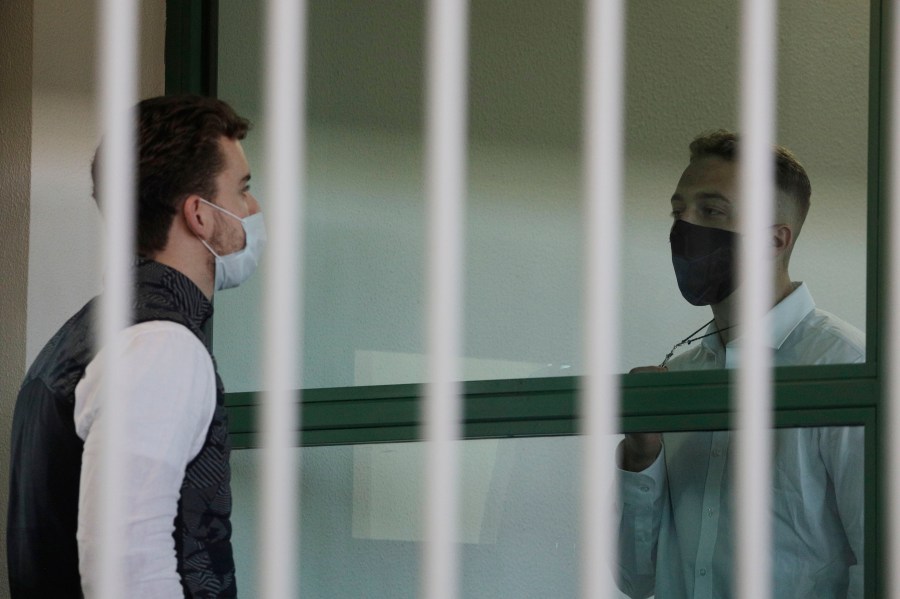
{"x": 690, "y": 339}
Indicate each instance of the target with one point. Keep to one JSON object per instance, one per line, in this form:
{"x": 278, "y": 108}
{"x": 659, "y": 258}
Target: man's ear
{"x": 198, "y": 222}
{"x": 782, "y": 239}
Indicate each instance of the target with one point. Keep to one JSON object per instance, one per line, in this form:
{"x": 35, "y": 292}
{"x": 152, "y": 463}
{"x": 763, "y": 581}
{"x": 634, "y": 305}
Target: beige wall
{"x": 50, "y": 227}
{"x": 15, "y": 175}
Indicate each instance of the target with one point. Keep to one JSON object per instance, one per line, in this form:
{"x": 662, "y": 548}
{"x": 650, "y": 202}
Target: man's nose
{"x": 689, "y": 215}
{"x": 252, "y": 205}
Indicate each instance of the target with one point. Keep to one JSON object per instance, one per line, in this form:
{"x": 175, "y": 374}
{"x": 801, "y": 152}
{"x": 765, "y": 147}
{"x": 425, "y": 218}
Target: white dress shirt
{"x": 171, "y": 395}
{"x": 676, "y": 518}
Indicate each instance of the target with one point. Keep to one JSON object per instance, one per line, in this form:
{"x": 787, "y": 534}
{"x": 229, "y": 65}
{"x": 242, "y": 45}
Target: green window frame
{"x": 852, "y": 394}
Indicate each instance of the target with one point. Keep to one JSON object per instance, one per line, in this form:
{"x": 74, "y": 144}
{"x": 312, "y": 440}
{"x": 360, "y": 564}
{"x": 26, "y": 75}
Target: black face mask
{"x": 704, "y": 259}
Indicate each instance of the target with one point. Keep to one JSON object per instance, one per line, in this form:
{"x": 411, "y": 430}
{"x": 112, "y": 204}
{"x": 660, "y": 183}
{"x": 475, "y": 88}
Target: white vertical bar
{"x": 285, "y": 168}
{"x": 445, "y": 178}
{"x": 892, "y": 370}
{"x": 118, "y": 93}
{"x": 754, "y": 377}
{"x": 603, "y": 148}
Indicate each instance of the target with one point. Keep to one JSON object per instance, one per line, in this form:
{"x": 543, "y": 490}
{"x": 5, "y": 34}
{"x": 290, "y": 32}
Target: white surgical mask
{"x": 235, "y": 268}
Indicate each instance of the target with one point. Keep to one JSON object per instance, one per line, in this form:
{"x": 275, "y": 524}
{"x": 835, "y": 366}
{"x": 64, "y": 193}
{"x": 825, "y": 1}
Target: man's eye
{"x": 712, "y": 212}
{"x": 676, "y": 214}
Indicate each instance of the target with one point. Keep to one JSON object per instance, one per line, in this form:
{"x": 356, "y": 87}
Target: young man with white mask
{"x": 676, "y": 523}
{"x": 199, "y": 229}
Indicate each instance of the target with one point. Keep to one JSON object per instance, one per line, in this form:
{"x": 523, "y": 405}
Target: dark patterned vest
{"x": 46, "y": 458}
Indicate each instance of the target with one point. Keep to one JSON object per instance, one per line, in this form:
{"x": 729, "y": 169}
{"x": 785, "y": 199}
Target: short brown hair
{"x": 178, "y": 155}
{"x": 790, "y": 176}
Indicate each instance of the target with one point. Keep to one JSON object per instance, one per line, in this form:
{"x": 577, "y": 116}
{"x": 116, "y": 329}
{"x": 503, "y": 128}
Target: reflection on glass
{"x": 677, "y": 522}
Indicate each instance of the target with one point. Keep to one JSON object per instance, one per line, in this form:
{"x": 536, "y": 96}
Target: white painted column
{"x": 445, "y": 180}
{"x": 754, "y": 377}
{"x": 285, "y": 101}
{"x": 118, "y": 94}
{"x": 599, "y": 411}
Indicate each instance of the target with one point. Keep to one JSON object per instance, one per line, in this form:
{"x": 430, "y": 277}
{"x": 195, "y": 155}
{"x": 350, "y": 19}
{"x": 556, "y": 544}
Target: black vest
{"x": 46, "y": 458}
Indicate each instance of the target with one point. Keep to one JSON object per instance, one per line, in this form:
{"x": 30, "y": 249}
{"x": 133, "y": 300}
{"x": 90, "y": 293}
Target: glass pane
{"x": 365, "y": 220}
{"x": 361, "y": 521}
{"x": 683, "y": 80}
{"x": 677, "y": 525}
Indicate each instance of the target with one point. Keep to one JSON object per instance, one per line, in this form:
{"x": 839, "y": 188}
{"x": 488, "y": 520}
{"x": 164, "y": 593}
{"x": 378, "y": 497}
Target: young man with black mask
{"x": 199, "y": 230}
{"x": 675, "y": 497}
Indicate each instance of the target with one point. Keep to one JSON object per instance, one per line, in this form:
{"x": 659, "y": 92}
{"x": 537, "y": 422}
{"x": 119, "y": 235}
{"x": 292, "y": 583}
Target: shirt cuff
{"x": 645, "y": 487}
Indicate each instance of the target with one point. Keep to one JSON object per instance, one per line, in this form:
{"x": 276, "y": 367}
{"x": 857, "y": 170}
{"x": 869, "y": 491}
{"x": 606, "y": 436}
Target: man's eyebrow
{"x": 713, "y": 195}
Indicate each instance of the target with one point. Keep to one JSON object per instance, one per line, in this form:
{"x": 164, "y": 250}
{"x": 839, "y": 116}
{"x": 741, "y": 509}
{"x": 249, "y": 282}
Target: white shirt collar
{"x": 780, "y": 320}
{"x": 787, "y": 314}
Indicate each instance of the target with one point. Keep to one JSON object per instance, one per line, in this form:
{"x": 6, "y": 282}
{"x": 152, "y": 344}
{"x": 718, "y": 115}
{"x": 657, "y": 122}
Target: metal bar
{"x": 285, "y": 162}
{"x": 754, "y": 376}
{"x": 118, "y": 93}
{"x": 445, "y": 189}
{"x": 604, "y": 83}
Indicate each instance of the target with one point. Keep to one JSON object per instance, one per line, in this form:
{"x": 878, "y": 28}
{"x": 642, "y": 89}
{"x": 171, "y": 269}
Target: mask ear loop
{"x": 229, "y": 213}
{"x": 217, "y": 207}
{"x": 209, "y": 247}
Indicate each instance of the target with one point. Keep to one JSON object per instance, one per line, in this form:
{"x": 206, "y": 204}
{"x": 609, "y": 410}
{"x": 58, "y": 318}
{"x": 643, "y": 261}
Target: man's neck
{"x": 725, "y": 312}
{"x": 191, "y": 266}
{"x": 723, "y": 315}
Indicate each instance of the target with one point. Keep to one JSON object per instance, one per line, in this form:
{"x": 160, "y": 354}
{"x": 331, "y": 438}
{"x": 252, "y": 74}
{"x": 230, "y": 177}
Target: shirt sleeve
{"x": 170, "y": 393}
{"x": 843, "y": 450}
{"x": 641, "y": 501}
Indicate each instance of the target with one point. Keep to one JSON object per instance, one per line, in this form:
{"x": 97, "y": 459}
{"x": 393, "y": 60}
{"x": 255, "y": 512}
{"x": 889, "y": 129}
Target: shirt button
{"x": 645, "y": 488}
{"x": 710, "y": 512}
{"x": 702, "y": 571}
{"x": 717, "y": 452}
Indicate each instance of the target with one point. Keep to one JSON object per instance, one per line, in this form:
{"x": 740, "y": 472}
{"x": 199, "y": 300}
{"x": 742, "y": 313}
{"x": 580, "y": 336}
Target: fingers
{"x": 648, "y": 369}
